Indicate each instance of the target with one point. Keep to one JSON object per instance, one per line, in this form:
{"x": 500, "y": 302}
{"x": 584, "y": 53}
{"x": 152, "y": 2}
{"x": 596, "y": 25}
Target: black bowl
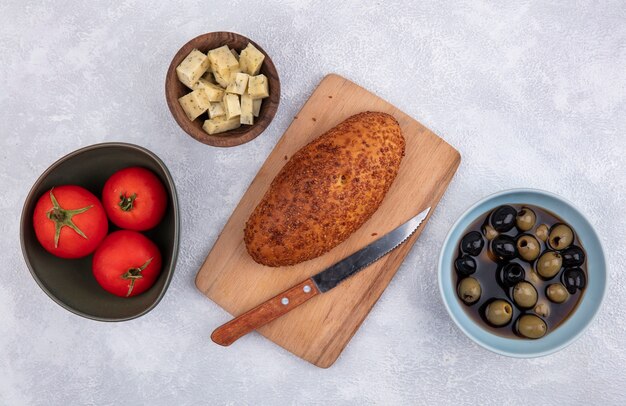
{"x": 70, "y": 282}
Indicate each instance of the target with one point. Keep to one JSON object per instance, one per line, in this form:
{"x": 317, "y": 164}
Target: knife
{"x": 316, "y": 285}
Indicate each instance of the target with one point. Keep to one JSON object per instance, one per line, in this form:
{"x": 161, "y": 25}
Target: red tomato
{"x": 134, "y": 199}
{"x": 127, "y": 263}
{"x": 69, "y": 221}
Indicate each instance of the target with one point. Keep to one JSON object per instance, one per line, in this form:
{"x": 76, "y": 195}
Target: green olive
{"x": 561, "y": 236}
{"x": 499, "y": 312}
{"x": 528, "y": 247}
{"x": 542, "y": 309}
{"x": 549, "y": 264}
{"x": 469, "y": 290}
{"x": 489, "y": 232}
{"x": 525, "y": 294}
{"x": 525, "y": 219}
{"x": 542, "y": 232}
{"x": 557, "y": 293}
{"x": 531, "y": 326}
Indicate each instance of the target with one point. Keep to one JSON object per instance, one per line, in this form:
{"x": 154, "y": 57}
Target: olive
{"x": 549, "y": 264}
{"x": 489, "y": 232}
{"x": 528, "y": 247}
{"x": 525, "y": 295}
{"x": 557, "y": 293}
{"x": 465, "y": 265}
{"x": 561, "y": 236}
{"x": 469, "y": 290}
{"x": 512, "y": 273}
{"x": 499, "y": 312}
{"x": 525, "y": 219}
{"x": 542, "y": 232}
{"x": 573, "y": 256}
{"x": 472, "y": 243}
{"x": 542, "y": 309}
{"x": 573, "y": 279}
{"x": 503, "y": 247}
{"x": 531, "y": 326}
{"x": 503, "y": 218}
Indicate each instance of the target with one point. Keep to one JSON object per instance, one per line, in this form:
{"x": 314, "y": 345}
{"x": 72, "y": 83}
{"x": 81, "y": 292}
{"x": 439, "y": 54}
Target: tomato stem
{"x": 133, "y": 274}
{"x": 63, "y": 217}
{"x": 126, "y": 203}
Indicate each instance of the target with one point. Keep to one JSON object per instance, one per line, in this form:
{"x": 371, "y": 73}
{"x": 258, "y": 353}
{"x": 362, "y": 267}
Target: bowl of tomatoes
{"x": 100, "y": 231}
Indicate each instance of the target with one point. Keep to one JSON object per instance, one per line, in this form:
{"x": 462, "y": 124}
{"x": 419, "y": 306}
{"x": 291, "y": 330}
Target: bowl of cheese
{"x": 222, "y": 89}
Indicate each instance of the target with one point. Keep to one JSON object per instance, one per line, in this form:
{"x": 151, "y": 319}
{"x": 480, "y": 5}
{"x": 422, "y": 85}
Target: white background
{"x": 532, "y": 95}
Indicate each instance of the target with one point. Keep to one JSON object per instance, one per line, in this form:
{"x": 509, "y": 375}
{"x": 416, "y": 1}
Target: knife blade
{"x": 320, "y": 283}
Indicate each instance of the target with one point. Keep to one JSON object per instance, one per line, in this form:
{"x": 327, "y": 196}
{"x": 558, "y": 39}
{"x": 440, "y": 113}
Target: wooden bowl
{"x": 70, "y": 282}
{"x": 175, "y": 89}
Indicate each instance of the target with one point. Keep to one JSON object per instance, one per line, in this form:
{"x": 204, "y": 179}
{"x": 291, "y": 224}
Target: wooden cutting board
{"x": 320, "y": 329}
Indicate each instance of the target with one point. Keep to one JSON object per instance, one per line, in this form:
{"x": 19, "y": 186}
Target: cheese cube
{"x": 216, "y": 110}
{"x": 220, "y": 124}
{"x": 213, "y": 92}
{"x": 247, "y": 116}
{"x": 192, "y": 68}
{"x": 238, "y": 83}
{"x": 222, "y": 59}
{"x": 258, "y": 87}
{"x": 222, "y": 78}
{"x": 194, "y": 103}
{"x": 251, "y": 60}
{"x": 256, "y": 107}
{"x": 232, "y": 106}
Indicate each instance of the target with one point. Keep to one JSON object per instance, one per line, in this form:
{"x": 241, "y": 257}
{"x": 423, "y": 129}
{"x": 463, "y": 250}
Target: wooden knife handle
{"x": 265, "y": 312}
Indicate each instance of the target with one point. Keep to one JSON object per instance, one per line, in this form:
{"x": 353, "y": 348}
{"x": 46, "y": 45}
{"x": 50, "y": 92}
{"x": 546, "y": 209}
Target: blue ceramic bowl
{"x": 576, "y": 324}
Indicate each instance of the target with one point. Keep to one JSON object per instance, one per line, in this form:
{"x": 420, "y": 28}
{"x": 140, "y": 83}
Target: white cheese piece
{"x": 256, "y": 107}
{"x": 222, "y": 78}
{"x": 216, "y": 110}
{"x": 222, "y": 59}
{"x": 220, "y": 124}
{"x": 213, "y": 91}
{"x": 258, "y": 87}
{"x": 251, "y": 60}
{"x": 238, "y": 83}
{"x": 247, "y": 116}
{"x": 192, "y": 68}
{"x": 232, "y": 106}
{"x": 194, "y": 103}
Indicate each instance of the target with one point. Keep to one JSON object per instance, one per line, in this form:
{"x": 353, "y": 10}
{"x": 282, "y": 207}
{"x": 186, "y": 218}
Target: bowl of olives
{"x": 522, "y": 273}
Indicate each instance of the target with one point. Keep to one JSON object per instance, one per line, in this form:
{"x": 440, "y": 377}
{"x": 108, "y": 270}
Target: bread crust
{"x": 326, "y": 191}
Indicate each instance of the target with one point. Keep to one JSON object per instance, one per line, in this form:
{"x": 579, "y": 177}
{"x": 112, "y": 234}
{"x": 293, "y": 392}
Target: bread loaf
{"x": 326, "y": 191}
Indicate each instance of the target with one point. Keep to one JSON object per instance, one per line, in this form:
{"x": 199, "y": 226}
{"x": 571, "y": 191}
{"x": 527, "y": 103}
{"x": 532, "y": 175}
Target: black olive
{"x": 573, "y": 279}
{"x": 573, "y": 256}
{"x": 472, "y": 243}
{"x": 503, "y": 247}
{"x": 511, "y": 274}
{"x": 503, "y": 218}
{"x": 465, "y": 265}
